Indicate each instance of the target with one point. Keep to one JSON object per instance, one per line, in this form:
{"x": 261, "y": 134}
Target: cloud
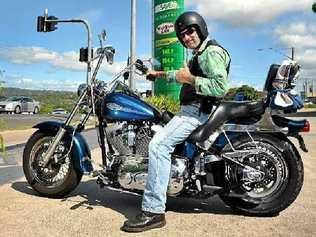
{"x": 22, "y": 55}
{"x": 298, "y": 34}
{"x": 67, "y": 61}
{"x": 301, "y": 36}
{"x": 247, "y": 12}
{"x": 18, "y": 81}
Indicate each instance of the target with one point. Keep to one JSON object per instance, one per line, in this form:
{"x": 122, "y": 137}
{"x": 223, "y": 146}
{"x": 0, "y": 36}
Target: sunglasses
{"x": 189, "y": 31}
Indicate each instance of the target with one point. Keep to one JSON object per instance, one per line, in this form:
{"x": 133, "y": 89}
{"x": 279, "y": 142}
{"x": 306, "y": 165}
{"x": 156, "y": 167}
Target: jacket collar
{"x": 202, "y": 47}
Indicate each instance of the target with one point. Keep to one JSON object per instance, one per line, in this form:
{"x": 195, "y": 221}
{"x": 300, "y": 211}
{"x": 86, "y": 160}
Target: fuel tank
{"x": 121, "y": 107}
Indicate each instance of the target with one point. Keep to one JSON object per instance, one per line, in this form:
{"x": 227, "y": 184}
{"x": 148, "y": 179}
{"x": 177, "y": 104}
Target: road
{"x": 26, "y": 120}
{"x": 91, "y": 211}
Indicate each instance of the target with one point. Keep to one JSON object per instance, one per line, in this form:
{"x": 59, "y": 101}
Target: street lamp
{"x": 132, "y": 44}
{"x": 277, "y": 51}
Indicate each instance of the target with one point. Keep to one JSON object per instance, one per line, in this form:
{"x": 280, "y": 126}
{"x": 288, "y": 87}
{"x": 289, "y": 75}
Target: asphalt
{"x": 90, "y": 211}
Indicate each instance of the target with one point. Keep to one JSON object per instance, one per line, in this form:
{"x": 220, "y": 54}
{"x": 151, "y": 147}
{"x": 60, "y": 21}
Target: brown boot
{"x": 144, "y": 221}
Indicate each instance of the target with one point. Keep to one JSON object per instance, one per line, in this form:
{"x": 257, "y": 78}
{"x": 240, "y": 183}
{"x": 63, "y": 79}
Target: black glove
{"x": 150, "y": 78}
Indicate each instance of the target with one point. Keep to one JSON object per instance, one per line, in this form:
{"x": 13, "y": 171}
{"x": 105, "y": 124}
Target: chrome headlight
{"x": 9, "y": 106}
{"x": 81, "y": 89}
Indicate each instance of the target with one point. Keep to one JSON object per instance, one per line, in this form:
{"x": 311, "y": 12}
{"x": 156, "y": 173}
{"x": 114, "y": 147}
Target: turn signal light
{"x": 307, "y": 127}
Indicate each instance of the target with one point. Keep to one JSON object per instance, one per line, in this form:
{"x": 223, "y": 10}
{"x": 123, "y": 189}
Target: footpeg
{"x": 213, "y": 190}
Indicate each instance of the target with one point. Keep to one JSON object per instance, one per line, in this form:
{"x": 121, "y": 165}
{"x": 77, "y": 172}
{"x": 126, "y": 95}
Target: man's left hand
{"x": 184, "y": 76}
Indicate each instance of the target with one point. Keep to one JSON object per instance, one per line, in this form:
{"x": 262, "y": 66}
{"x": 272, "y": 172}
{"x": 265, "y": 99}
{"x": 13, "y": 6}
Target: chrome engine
{"x": 131, "y": 145}
{"x": 128, "y": 139}
{"x": 132, "y": 174}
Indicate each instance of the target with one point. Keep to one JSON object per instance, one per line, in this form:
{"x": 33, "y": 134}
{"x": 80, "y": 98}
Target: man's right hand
{"x": 151, "y": 75}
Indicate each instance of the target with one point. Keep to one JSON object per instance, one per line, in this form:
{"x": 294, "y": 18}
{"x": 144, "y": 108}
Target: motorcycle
{"x": 242, "y": 153}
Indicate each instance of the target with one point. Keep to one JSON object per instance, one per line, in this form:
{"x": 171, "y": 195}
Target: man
{"x": 204, "y": 82}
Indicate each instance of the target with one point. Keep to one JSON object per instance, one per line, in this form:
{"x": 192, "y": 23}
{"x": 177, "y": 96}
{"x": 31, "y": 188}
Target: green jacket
{"x": 213, "y": 62}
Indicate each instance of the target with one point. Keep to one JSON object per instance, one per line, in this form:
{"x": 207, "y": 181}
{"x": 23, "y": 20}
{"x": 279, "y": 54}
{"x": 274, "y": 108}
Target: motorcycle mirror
{"x": 126, "y": 75}
{"x": 103, "y": 35}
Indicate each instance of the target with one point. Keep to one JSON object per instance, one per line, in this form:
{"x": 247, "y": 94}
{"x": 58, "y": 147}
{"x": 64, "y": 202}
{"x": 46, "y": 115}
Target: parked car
{"x": 307, "y": 102}
{"x": 59, "y": 111}
{"x": 19, "y": 104}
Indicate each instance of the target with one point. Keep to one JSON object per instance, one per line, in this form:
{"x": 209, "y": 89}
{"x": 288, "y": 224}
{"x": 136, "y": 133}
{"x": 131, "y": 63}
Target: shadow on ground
{"x": 128, "y": 203}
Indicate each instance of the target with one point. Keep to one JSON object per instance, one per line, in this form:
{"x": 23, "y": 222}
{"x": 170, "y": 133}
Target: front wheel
{"x": 17, "y": 110}
{"x": 59, "y": 177}
{"x": 36, "y": 110}
{"x": 280, "y": 181}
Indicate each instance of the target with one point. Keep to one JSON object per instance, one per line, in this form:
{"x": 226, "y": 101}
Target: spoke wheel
{"x": 59, "y": 177}
{"x": 271, "y": 179}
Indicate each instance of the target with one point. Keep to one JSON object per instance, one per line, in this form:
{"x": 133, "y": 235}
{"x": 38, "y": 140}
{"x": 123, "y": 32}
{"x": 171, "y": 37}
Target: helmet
{"x": 190, "y": 18}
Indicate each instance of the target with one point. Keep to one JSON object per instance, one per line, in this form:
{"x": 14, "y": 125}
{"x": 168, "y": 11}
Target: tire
{"x": 282, "y": 193}
{"x": 36, "y": 110}
{"x": 17, "y": 110}
{"x": 56, "y": 180}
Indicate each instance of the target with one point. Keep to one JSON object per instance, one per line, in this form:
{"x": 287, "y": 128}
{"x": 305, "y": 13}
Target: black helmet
{"x": 187, "y": 19}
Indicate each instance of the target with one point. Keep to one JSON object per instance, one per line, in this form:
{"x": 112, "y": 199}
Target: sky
{"x": 33, "y": 60}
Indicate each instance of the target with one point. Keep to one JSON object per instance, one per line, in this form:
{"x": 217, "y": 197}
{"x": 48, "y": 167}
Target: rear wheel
{"x": 274, "y": 187}
{"x": 59, "y": 177}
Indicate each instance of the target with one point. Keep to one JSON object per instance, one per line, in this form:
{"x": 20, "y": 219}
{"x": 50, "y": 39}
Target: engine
{"x": 127, "y": 138}
{"x": 132, "y": 174}
{"x": 130, "y": 142}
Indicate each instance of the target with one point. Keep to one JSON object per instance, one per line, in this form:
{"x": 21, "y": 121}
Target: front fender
{"x": 80, "y": 149}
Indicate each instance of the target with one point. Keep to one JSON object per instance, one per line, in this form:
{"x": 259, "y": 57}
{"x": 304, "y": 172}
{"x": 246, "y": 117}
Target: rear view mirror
{"x": 103, "y": 35}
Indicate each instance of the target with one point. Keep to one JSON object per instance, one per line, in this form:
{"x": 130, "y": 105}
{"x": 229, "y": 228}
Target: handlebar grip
{"x": 141, "y": 67}
{"x": 150, "y": 78}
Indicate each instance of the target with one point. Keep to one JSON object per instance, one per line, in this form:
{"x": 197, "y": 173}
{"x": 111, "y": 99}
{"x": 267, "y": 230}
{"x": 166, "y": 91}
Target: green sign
{"x": 167, "y": 49}
{"x": 314, "y": 7}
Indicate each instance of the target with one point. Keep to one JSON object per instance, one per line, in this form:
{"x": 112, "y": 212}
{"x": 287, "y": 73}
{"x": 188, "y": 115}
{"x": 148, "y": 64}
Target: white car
{"x": 19, "y": 104}
{"x": 59, "y": 111}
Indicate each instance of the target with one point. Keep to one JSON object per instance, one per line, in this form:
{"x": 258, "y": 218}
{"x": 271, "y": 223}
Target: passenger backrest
{"x": 271, "y": 77}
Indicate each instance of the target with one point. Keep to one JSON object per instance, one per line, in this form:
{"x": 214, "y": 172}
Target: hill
{"x": 48, "y": 99}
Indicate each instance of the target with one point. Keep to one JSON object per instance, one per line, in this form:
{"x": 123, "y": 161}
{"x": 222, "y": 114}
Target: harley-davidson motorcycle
{"x": 242, "y": 153}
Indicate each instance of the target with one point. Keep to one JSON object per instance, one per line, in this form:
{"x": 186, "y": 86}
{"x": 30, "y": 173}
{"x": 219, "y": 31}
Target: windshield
{"x": 13, "y": 98}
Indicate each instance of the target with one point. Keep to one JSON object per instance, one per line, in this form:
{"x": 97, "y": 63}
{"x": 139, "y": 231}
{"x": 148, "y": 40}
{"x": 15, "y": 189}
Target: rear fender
{"x": 221, "y": 140}
{"x": 80, "y": 149}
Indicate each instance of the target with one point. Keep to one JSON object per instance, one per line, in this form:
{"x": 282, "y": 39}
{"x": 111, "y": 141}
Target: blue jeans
{"x": 160, "y": 149}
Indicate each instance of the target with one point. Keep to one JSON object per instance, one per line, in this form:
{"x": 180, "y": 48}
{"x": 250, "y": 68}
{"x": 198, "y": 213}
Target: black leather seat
{"x": 226, "y": 111}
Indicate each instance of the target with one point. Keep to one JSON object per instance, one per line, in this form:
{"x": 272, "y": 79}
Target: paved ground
{"x": 90, "y": 211}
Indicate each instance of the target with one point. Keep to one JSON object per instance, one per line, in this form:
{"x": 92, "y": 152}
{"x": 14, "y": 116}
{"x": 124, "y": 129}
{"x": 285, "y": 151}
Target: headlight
{"x": 9, "y": 106}
{"x": 81, "y": 89}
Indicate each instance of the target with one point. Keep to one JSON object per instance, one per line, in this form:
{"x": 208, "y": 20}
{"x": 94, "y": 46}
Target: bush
{"x": 310, "y": 106}
{"x": 3, "y": 125}
{"x": 164, "y": 102}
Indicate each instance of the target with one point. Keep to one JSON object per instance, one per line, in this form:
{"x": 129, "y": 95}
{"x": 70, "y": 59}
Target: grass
{"x": 3, "y": 125}
{"x": 311, "y": 106}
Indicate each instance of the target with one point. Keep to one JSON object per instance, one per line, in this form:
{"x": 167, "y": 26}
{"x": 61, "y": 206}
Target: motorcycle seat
{"x": 227, "y": 111}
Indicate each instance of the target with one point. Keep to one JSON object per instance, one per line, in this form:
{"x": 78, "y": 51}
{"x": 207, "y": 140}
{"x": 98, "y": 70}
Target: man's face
{"x": 190, "y": 38}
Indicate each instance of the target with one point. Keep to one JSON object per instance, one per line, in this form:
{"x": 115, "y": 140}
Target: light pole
{"x": 133, "y": 45}
{"x": 277, "y": 51}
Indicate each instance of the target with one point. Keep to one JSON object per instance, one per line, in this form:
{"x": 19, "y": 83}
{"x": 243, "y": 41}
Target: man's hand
{"x": 152, "y": 74}
{"x": 184, "y": 76}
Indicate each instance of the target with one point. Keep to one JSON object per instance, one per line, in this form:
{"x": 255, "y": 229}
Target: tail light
{"x": 307, "y": 127}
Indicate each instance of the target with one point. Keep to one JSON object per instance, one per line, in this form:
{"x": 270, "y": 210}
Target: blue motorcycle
{"x": 242, "y": 153}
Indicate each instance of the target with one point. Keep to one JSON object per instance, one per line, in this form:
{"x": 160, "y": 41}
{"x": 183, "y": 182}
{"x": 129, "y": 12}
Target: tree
{"x": 248, "y": 92}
